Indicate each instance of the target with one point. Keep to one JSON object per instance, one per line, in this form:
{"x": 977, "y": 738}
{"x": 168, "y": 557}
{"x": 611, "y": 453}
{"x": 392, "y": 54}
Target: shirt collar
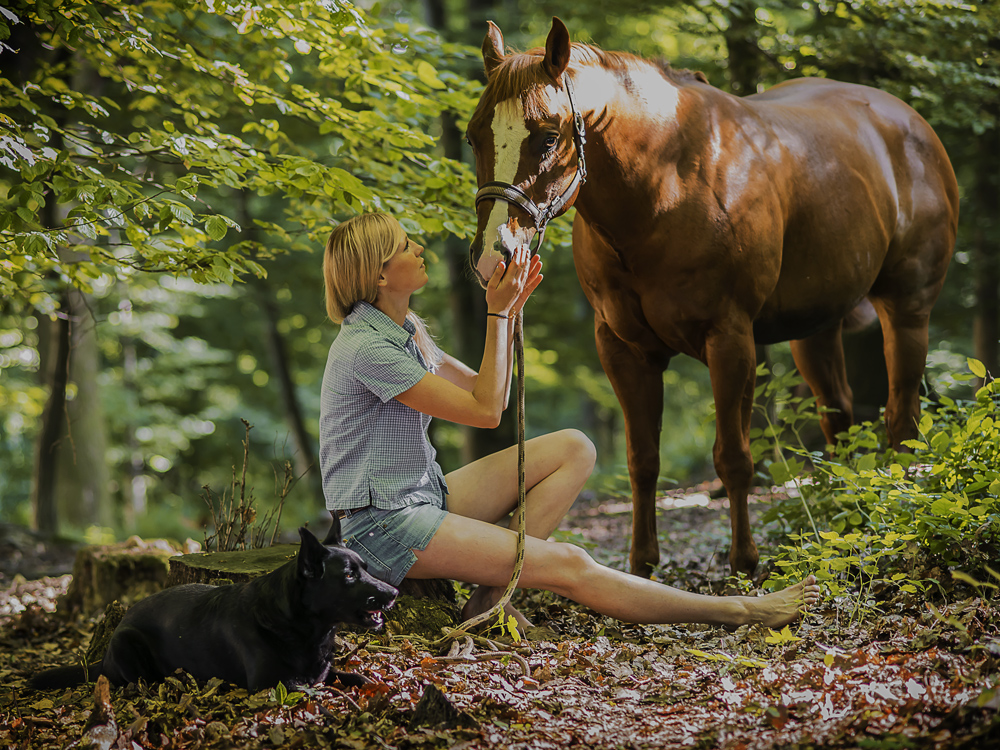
{"x": 365, "y": 312}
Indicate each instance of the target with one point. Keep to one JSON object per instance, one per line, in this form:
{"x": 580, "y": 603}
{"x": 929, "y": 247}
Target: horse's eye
{"x": 550, "y": 142}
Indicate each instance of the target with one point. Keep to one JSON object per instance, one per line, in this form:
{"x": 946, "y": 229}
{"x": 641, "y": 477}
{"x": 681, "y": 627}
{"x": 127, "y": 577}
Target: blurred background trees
{"x": 169, "y": 171}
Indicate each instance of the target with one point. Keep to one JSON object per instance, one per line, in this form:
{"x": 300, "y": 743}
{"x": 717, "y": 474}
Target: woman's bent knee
{"x": 579, "y": 448}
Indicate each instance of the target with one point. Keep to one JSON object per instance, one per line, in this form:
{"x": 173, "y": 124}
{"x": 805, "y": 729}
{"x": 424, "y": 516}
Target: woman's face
{"x": 405, "y": 271}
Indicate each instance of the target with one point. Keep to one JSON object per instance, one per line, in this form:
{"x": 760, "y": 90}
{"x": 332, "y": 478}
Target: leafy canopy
{"x": 126, "y": 129}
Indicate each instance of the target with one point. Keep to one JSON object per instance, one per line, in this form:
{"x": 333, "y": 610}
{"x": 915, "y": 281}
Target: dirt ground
{"x": 903, "y": 677}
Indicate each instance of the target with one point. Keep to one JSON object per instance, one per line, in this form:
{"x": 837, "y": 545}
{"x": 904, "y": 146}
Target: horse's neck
{"x": 637, "y": 120}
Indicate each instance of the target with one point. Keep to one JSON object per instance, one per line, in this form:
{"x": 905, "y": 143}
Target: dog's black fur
{"x": 276, "y": 628}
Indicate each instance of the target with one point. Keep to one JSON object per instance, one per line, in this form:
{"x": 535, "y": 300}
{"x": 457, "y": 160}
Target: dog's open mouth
{"x": 373, "y": 619}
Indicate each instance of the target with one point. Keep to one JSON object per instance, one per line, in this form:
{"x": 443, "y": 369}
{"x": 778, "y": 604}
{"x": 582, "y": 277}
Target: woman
{"x": 385, "y": 379}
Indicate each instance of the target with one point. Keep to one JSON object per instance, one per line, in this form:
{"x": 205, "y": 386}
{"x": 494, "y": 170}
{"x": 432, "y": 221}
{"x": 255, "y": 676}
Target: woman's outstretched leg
{"x": 476, "y": 552}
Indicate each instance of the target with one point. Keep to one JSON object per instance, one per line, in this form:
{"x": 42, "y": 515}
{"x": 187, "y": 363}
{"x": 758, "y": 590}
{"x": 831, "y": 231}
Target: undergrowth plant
{"x": 869, "y": 521}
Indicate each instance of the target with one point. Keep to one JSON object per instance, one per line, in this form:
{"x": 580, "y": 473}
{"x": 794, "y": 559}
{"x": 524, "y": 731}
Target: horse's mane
{"x": 520, "y": 74}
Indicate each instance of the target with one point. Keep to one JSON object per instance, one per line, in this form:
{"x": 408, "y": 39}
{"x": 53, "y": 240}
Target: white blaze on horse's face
{"x": 509, "y": 133}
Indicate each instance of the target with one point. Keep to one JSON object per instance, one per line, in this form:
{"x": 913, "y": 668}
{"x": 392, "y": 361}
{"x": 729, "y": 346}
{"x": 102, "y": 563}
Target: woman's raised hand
{"x": 511, "y": 285}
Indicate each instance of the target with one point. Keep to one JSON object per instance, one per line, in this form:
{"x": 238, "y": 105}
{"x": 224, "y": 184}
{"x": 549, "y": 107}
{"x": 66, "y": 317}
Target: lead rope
{"x": 497, "y": 608}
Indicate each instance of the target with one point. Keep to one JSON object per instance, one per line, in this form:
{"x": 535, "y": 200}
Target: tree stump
{"x": 127, "y": 572}
{"x": 422, "y": 608}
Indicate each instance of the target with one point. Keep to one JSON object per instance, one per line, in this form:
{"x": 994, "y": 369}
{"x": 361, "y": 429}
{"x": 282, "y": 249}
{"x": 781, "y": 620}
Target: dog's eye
{"x": 350, "y": 576}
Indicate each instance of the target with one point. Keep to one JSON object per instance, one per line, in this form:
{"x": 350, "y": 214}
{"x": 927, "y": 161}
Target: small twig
{"x": 346, "y": 697}
{"x": 285, "y": 489}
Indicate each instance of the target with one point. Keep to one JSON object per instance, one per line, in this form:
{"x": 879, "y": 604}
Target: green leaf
{"x": 942, "y": 507}
{"x": 216, "y": 227}
{"x": 779, "y": 473}
{"x": 978, "y": 368}
{"x": 427, "y": 74}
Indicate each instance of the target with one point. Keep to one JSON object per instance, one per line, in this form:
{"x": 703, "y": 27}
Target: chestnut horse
{"x": 708, "y": 223}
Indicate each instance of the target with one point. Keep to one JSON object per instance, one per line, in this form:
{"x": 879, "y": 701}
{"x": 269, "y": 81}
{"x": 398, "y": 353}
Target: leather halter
{"x": 505, "y": 191}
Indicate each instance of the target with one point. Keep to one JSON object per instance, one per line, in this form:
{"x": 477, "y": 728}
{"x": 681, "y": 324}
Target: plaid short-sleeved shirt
{"x": 373, "y": 450}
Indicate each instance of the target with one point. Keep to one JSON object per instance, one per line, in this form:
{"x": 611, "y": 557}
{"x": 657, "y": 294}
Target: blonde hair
{"x": 352, "y": 263}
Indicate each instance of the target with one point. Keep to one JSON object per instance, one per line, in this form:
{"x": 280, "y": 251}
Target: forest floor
{"x": 908, "y": 675}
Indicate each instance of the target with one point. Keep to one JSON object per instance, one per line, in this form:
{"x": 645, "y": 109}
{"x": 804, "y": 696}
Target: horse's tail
{"x": 64, "y": 677}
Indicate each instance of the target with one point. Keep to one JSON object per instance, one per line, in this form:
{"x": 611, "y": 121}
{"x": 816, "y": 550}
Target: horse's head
{"x": 527, "y": 136}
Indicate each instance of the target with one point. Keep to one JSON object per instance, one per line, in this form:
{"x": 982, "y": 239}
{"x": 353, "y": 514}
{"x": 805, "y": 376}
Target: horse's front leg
{"x": 638, "y": 384}
{"x": 732, "y": 366}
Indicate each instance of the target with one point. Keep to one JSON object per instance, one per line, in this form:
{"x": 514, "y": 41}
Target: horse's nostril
{"x": 498, "y": 247}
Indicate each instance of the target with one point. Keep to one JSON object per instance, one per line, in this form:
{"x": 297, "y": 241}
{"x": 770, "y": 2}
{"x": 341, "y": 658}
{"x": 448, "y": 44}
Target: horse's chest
{"x": 643, "y": 319}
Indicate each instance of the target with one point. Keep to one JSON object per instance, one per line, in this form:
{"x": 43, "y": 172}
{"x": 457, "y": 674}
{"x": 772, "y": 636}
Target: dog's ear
{"x": 312, "y": 555}
{"x": 333, "y": 536}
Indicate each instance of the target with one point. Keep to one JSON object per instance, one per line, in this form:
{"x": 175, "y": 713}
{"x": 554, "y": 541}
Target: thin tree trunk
{"x": 986, "y": 259}
{"x": 82, "y": 493}
{"x": 304, "y": 453}
{"x": 744, "y": 56}
{"x": 304, "y": 457}
{"x": 56, "y": 377}
{"x": 134, "y": 489}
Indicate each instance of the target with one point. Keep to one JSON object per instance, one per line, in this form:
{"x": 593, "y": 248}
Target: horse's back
{"x": 868, "y": 195}
{"x": 870, "y": 121}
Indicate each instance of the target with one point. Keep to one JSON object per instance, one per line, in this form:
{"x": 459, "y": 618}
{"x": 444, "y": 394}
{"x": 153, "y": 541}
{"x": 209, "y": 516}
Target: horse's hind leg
{"x": 820, "y": 360}
{"x": 905, "y": 334}
{"x": 903, "y": 296}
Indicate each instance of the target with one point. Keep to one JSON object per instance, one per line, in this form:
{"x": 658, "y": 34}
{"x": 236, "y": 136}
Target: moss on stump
{"x": 127, "y": 571}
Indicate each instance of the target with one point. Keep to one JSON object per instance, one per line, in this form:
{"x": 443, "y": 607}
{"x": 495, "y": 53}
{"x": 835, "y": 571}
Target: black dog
{"x": 276, "y": 628}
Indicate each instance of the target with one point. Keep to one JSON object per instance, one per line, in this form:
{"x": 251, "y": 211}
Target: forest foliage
{"x": 169, "y": 170}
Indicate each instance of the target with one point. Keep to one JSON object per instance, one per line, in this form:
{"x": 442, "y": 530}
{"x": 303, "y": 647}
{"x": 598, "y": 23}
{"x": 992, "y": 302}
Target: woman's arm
{"x": 479, "y": 407}
{"x": 457, "y": 372}
{"x": 445, "y": 395}
{"x": 460, "y": 374}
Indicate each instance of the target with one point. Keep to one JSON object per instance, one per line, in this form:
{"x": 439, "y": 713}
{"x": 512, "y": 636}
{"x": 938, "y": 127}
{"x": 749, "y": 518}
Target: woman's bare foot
{"x": 782, "y": 607}
{"x": 483, "y": 599}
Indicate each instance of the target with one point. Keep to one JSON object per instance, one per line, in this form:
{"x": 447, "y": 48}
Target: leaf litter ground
{"x": 904, "y": 677}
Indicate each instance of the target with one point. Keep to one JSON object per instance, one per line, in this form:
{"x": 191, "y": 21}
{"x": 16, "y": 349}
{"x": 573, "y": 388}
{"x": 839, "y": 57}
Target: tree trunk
{"x": 82, "y": 492}
{"x": 986, "y": 254}
{"x": 55, "y": 375}
{"x": 134, "y": 488}
{"x": 741, "y": 44}
{"x": 305, "y": 459}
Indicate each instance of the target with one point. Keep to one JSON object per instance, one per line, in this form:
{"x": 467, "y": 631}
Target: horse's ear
{"x": 492, "y": 49}
{"x": 557, "y": 47}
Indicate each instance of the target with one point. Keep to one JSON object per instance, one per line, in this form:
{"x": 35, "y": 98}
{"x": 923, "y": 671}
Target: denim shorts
{"x": 385, "y": 539}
